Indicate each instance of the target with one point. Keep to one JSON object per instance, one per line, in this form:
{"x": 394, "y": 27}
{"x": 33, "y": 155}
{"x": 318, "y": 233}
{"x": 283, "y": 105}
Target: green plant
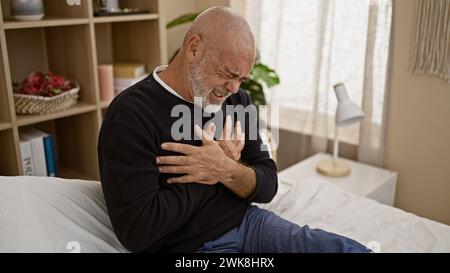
{"x": 261, "y": 73}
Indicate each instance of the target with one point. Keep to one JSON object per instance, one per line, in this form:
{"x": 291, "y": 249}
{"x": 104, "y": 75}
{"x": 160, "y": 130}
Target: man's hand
{"x": 207, "y": 164}
{"x": 231, "y": 143}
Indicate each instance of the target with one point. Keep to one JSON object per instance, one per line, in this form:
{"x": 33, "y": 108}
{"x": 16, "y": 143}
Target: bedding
{"x": 41, "y": 214}
{"x": 318, "y": 204}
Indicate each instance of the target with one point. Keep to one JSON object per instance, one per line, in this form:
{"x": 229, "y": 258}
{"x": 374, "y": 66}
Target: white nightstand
{"x": 371, "y": 182}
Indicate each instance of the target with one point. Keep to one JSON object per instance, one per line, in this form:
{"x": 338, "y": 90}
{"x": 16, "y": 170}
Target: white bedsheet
{"x": 315, "y": 203}
{"x": 40, "y": 214}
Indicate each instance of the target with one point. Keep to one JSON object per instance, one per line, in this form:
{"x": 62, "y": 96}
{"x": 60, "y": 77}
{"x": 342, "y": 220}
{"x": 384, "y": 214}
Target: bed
{"x": 40, "y": 214}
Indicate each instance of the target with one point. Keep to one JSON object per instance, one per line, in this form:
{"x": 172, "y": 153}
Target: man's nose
{"x": 233, "y": 86}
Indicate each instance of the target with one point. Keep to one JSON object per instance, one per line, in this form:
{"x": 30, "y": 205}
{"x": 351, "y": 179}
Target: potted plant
{"x": 46, "y": 93}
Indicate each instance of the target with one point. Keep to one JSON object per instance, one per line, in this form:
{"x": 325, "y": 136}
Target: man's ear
{"x": 194, "y": 49}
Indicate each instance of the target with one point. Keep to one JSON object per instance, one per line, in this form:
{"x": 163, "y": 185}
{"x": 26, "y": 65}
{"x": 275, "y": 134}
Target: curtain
{"x": 315, "y": 44}
{"x": 432, "y": 45}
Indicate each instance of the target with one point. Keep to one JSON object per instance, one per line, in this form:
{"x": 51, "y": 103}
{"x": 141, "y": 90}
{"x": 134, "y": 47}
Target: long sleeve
{"x": 265, "y": 169}
{"x": 142, "y": 212}
{"x": 259, "y": 160}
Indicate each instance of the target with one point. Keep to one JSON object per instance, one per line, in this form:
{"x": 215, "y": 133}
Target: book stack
{"x": 38, "y": 153}
{"x": 128, "y": 74}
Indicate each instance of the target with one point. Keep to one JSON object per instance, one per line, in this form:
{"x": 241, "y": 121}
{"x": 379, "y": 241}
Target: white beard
{"x": 201, "y": 93}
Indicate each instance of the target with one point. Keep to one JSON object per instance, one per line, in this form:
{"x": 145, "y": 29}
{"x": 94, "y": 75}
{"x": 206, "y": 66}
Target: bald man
{"x": 166, "y": 194}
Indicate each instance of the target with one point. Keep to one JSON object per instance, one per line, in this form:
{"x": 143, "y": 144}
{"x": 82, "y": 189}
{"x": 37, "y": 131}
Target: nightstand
{"x": 364, "y": 180}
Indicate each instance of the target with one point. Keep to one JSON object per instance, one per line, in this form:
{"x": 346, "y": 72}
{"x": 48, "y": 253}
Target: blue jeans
{"x": 262, "y": 231}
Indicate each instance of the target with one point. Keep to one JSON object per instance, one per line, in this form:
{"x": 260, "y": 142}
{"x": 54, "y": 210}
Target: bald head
{"x": 222, "y": 28}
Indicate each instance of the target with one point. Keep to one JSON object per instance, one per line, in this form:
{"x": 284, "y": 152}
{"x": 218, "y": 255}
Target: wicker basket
{"x": 32, "y": 104}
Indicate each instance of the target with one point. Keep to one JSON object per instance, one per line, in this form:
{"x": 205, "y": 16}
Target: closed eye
{"x": 227, "y": 76}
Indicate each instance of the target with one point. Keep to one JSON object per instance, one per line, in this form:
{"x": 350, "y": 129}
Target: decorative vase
{"x": 108, "y": 5}
{"x": 27, "y": 10}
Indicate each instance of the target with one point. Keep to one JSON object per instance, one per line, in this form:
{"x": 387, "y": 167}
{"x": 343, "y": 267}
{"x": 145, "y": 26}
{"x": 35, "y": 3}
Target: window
{"x": 315, "y": 44}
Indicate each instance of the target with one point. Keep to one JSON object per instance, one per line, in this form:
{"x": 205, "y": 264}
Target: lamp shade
{"x": 347, "y": 112}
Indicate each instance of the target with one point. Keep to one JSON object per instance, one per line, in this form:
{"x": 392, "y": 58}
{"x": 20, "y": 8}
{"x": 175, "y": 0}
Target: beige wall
{"x": 204, "y": 4}
{"x": 175, "y": 8}
{"x": 418, "y": 128}
{"x": 238, "y": 5}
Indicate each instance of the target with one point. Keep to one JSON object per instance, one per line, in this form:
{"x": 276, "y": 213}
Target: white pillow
{"x": 42, "y": 214}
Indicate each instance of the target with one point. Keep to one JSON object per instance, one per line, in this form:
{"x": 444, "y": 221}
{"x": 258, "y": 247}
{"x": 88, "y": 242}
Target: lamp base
{"x": 328, "y": 168}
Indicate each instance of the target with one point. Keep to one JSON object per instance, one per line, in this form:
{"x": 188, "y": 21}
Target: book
{"x": 50, "y": 157}
{"x": 27, "y": 157}
{"x": 128, "y": 70}
{"x": 37, "y": 150}
{"x": 121, "y": 84}
{"x": 43, "y": 152}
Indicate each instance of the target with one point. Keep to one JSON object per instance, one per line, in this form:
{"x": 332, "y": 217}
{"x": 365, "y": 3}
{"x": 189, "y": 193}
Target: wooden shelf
{"x": 53, "y": 9}
{"x": 5, "y": 114}
{"x": 126, "y": 18}
{"x": 5, "y": 125}
{"x": 80, "y": 108}
{"x": 70, "y": 41}
{"x": 9, "y": 161}
{"x": 48, "y": 22}
{"x": 70, "y": 173}
{"x": 104, "y": 104}
{"x": 111, "y": 48}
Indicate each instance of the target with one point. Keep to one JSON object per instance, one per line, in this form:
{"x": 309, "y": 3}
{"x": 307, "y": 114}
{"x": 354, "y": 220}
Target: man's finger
{"x": 182, "y": 179}
{"x": 211, "y": 129}
{"x": 227, "y": 130}
{"x": 238, "y": 131}
{"x": 172, "y": 160}
{"x": 179, "y": 148}
{"x": 204, "y": 136}
{"x": 173, "y": 169}
{"x": 240, "y": 146}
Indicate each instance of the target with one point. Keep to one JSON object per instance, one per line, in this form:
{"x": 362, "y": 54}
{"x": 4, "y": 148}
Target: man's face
{"x": 215, "y": 78}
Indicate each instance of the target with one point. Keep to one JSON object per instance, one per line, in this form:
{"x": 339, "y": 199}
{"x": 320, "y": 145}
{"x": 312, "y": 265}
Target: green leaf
{"x": 183, "y": 19}
{"x": 264, "y": 73}
{"x": 56, "y": 91}
{"x": 255, "y": 91}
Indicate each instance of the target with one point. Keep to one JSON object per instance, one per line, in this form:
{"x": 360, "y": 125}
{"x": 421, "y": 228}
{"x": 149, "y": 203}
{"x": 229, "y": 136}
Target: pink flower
{"x": 34, "y": 84}
{"x": 44, "y": 85}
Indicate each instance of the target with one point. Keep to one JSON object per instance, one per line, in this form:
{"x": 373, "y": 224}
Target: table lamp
{"x": 347, "y": 113}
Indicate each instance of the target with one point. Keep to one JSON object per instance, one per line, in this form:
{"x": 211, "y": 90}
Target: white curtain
{"x": 314, "y": 44}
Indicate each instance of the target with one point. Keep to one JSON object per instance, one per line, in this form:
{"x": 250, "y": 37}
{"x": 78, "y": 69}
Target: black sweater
{"x": 148, "y": 214}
